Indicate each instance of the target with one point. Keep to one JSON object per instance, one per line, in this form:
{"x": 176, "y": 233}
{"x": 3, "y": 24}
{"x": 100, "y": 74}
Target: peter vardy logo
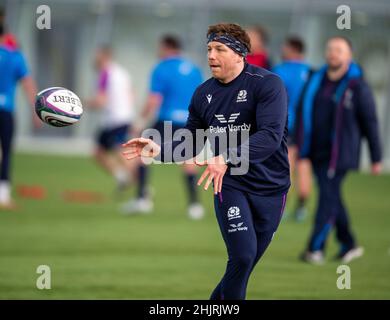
{"x": 230, "y": 127}
{"x": 241, "y": 97}
{"x": 233, "y": 213}
{"x": 233, "y": 117}
{"x": 237, "y": 227}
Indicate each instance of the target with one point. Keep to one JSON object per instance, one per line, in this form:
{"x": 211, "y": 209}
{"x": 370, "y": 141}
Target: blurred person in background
{"x": 173, "y": 82}
{"x": 338, "y": 111}
{"x": 295, "y": 73}
{"x": 9, "y": 40}
{"x": 115, "y": 98}
{"x": 13, "y": 70}
{"x": 258, "y": 55}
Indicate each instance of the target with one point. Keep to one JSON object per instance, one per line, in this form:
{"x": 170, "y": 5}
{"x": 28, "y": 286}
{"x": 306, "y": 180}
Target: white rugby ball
{"x": 58, "y": 107}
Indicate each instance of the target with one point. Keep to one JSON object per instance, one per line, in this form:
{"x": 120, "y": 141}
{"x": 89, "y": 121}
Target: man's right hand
{"x": 141, "y": 147}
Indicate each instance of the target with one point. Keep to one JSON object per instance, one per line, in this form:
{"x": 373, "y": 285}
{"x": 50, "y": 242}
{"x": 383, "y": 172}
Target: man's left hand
{"x": 216, "y": 169}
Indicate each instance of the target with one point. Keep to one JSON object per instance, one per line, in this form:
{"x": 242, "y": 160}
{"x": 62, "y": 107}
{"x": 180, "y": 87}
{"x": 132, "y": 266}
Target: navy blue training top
{"x": 255, "y": 101}
{"x": 323, "y": 121}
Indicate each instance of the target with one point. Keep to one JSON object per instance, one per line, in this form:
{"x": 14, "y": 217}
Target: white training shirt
{"x": 115, "y": 81}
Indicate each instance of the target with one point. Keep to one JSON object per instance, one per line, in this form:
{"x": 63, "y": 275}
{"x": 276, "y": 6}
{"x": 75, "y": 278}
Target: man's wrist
{"x": 226, "y": 159}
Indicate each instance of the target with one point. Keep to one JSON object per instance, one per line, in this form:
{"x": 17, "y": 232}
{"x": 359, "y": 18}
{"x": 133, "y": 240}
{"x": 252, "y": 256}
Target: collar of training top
{"x": 229, "y": 41}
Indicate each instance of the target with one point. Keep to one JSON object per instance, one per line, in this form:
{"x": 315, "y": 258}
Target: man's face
{"x": 338, "y": 53}
{"x": 286, "y": 52}
{"x": 162, "y": 51}
{"x": 222, "y": 60}
{"x": 255, "y": 40}
{"x": 99, "y": 60}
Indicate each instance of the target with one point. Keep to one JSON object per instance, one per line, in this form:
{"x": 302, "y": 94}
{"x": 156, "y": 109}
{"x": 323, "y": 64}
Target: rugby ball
{"x": 58, "y": 107}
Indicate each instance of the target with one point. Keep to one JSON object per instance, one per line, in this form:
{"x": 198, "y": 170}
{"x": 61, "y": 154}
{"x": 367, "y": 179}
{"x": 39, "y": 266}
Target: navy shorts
{"x": 109, "y": 139}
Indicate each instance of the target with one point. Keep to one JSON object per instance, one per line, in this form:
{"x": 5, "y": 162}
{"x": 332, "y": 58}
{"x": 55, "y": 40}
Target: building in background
{"x": 61, "y": 56}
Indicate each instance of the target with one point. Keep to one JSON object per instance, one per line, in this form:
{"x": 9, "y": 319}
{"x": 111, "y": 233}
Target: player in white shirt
{"x": 115, "y": 98}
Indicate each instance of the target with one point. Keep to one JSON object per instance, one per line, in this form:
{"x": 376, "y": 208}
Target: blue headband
{"x": 229, "y": 41}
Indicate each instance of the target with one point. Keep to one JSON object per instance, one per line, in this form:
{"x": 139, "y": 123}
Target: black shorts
{"x": 109, "y": 139}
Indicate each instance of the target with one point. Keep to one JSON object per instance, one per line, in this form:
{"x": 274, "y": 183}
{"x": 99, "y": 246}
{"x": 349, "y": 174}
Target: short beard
{"x": 335, "y": 68}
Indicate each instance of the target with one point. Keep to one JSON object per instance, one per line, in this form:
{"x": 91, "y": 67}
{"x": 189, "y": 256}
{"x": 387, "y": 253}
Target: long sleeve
{"x": 368, "y": 121}
{"x": 271, "y": 120}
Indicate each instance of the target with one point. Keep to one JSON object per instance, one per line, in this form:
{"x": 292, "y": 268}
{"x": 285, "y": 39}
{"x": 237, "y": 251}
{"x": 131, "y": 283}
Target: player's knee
{"x": 245, "y": 261}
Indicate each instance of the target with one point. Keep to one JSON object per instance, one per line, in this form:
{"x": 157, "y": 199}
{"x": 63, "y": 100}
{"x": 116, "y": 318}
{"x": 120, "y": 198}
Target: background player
{"x": 173, "y": 81}
{"x": 13, "y": 69}
{"x": 9, "y": 40}
{"x": 295, "y": 73}
{"x": 338, "y": 110}
{"x": 115, "y": 98}
{"x": 258, "y": 55}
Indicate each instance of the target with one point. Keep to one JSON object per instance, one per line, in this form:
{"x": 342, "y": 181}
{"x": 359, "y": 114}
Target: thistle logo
{"x": 233, "y": 213}
{"x": 237, "y": 227}
{"x": 241, "y": 97}
{"x": 233, "y": 117}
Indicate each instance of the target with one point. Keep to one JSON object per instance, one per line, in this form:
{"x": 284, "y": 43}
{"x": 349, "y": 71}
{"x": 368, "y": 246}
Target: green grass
{"x": 96, "y": 253}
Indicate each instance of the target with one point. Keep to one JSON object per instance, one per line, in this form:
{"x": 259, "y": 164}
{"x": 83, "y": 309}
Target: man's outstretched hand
{"x": 216, "y": 169}
{"x": 141, "y": 147}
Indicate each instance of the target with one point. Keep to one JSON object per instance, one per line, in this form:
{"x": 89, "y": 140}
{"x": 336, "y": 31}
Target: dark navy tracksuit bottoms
{"x": 248, "y": 223}
{"x": 331, "y": 211}
{"x": 6, "y": 134}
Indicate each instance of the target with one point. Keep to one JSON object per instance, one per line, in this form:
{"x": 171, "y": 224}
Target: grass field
{"x": 96, "y": 253}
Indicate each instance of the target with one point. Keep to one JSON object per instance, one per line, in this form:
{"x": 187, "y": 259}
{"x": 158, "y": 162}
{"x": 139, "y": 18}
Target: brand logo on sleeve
{"x": 209, "y": 97}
